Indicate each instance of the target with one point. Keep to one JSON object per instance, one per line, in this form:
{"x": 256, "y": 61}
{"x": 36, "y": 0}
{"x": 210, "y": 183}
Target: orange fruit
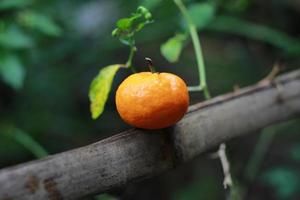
{"x": 152, "y": 100}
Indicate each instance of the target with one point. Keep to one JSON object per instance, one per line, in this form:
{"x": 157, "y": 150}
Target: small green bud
{"x": 114, "y": 32}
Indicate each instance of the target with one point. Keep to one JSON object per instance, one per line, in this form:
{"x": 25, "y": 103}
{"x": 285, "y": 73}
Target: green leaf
{"x": 10, "y": 4}
{"x": 172, "y": 48}
{"x": 14, "y": 38}
{"x": 100, "y": 88}
{"x": 11, "y": 70}
{"x": 285, "y": 181}
{"x": 39, "y": 22}
{"x": 201, "y": 14}
{"x": 127, "y": 27}
{"x": 124, "y": 23}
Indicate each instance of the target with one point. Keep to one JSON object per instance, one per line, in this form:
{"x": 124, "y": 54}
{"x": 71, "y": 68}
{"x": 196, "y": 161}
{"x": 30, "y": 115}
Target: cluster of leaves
{"x": 125, "y": 30}
{"x": 127, "y": 27}
{"x": 18, "y": 22}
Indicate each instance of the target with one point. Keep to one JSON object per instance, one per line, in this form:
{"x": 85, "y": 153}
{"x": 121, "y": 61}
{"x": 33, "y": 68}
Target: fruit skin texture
{"x": 152, "y": 100}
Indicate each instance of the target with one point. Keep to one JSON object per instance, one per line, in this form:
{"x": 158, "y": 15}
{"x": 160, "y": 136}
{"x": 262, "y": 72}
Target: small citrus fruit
{"x": 152, "y": 100}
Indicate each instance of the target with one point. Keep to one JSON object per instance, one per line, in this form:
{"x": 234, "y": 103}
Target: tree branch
{"x": 138, "y": 154}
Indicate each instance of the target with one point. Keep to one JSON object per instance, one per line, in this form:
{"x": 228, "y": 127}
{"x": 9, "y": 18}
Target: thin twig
{"x": 195, "y": 88}
{"x": 225, "y": 165}
{"x": 130, "y": 57}
{"x": 274, "y": 72}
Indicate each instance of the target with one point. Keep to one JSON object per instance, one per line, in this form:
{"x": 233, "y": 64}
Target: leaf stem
{"x": 197, "y": 47}
{"x": 130, "y": 57}
{"x": 196, "y": 88}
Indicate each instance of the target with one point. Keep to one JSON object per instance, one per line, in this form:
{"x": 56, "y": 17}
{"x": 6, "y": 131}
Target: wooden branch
{"x": 138, "y": 154}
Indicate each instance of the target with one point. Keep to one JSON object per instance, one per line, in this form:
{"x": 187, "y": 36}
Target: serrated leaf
{"x": 201, "y": 14}
{"x": 12, "y": 71}
{"x": 39, "y": 22}
{"x": 172, "y": 48}
{"x": 14, "y": 38}
{"x": 9, "y": 4}
{"x": 100, "y": 88}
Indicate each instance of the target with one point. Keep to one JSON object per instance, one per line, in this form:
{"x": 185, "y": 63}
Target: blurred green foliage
{"x": 12, "y": 4}
{"x": 51, "y": 50}
{"x": 286, "y": 181}
{"x": 202, "y": 14}
{"x": 24, "y": 139}
{"x": 198, "y": 190}
{"x": 258, "y": 32}
{"x": 19, "y": 19}
{"x": 12, "y": 71}
{"x": 39, "y": 22}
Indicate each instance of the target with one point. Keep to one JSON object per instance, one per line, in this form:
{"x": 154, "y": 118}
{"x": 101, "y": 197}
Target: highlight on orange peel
{"x": 152, "y": 100}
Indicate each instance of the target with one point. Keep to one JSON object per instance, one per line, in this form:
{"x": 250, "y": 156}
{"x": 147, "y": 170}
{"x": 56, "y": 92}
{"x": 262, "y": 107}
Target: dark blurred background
{"x": 50, "y": 51}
